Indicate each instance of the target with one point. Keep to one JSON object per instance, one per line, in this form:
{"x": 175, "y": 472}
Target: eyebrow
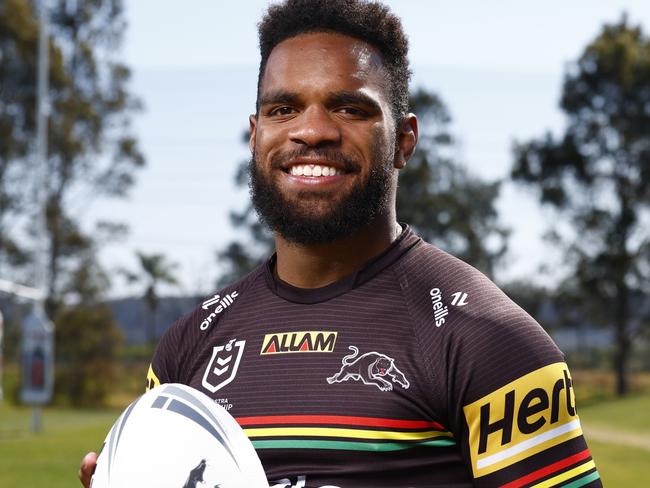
{"x": 353, "y": 97}
{"x": 333, "y": 98}
{"x": 279, "y": 96}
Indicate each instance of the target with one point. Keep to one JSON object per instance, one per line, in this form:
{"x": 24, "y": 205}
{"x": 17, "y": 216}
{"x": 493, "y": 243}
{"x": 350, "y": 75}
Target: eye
{"x": 280, "y": 111}
{"x": 351, "y": 111}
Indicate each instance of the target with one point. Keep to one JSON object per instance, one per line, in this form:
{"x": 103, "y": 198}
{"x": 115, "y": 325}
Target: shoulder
{"x": 213, "y": 307}
{"x": 430, "y": 276}
{"x": 457, "y": 308}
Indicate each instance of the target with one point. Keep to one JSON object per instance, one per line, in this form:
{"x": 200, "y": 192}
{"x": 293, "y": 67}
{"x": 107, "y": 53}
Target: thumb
{"x": 87, "y": 468}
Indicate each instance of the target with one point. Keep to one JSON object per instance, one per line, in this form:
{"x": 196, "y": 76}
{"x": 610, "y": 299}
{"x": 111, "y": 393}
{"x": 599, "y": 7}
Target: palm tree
{"x": 154, "y": 270}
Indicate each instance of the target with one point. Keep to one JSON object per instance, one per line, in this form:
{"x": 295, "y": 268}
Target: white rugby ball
{"x": 174, "y": 436}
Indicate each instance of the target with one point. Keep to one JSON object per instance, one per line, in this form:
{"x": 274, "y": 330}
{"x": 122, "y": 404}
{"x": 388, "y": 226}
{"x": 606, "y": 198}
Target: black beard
{"x": 357, "y": 209}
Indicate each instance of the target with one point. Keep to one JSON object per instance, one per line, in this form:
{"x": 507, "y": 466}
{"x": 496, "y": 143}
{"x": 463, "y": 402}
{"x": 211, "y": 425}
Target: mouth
{"x": 314, "y": 167}
{"x": 313, "y": 170}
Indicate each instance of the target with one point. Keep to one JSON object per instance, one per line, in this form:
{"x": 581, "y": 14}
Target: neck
{"x": 317, "y": 265}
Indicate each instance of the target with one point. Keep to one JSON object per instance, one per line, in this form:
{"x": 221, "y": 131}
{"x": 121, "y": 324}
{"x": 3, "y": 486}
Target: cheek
{"x": 267, "y": 142}
{"x": 382, "y": 145}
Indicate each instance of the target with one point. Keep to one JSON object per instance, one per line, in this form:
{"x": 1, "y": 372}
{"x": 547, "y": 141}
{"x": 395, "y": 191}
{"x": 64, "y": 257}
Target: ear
{"x": 252, "y": 129}
{"x": 407, "y": 139}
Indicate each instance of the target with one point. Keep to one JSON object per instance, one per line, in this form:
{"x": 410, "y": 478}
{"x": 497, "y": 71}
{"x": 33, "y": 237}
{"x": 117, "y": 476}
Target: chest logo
{"x": 223, "y": 366}
{"x": 288, "y": 342}
{"x": 371, "y": 368}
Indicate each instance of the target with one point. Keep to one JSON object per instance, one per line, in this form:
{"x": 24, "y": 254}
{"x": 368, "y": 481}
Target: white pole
{"x": 42, "y": 115}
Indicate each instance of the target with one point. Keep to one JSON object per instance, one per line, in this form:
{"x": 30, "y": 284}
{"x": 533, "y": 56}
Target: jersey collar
{"x": 406, "y": 240}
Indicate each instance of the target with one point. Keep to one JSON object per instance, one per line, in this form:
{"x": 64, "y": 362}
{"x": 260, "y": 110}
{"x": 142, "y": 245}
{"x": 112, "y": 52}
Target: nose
{"x": 315, "y": 127}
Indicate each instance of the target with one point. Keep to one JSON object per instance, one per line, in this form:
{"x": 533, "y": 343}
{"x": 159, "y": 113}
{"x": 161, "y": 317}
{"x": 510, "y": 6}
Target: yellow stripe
{"x": 152, "y": 379}
{"x": 334, "y": 432}
{"x": 566, "y": 475}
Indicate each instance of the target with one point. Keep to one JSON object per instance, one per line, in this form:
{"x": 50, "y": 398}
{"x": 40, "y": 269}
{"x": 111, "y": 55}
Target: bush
{"x": 86, "y": 345}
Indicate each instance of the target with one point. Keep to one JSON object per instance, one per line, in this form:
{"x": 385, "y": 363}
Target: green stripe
{"x": 583, "y": 481}
{"x": 347, "y": 445}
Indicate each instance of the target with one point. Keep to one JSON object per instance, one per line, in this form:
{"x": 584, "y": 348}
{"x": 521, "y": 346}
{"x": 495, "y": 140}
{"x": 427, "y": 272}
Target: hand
{"x": 87, "y": 468}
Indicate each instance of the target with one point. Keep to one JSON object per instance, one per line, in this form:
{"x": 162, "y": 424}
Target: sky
{"x": 497, "y": 65}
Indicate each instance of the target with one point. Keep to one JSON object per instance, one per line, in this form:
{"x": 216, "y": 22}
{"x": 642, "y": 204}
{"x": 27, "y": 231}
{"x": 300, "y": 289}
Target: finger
{"x": 87, "y": 468}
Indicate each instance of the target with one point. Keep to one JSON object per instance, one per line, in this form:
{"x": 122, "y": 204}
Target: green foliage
{"x": 18, "y": 34}
{"x": 91, "y": 150}
{"x": 597, "y": 177}
{"x": 437, "y": 195}
{"x": 86, "y": 344}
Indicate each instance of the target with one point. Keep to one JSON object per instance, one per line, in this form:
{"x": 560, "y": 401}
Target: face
{"x": 325, "y": 150}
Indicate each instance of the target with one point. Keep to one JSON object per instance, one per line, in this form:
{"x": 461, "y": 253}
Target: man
{"x": 358, "y": 355}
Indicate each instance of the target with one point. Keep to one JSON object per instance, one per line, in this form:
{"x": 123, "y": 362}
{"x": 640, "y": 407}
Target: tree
{"x": 92, "y": 152}
{"x": 87, "y": 339}
{"x": 18, "y": 34}
{"x": 596, "y": 176}
{"x": 444, "y": 203}
{"x": 154, "y": 270}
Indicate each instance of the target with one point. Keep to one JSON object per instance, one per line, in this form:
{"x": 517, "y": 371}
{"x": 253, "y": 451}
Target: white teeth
{"x": 313, "y": 170}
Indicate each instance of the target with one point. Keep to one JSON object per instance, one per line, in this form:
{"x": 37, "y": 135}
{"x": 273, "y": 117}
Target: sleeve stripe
{"x": 567, "y": 475}
{"x": 571, "y": 426}
{"x": 545, "y": 471}
{"x": 585, "y": 480}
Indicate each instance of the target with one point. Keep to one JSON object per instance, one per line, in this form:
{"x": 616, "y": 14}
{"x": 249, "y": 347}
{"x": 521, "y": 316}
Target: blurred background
{"x": 123, "y": 195}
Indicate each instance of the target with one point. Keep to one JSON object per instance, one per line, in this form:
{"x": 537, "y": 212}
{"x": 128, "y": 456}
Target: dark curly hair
{"x": 370, "y": 22}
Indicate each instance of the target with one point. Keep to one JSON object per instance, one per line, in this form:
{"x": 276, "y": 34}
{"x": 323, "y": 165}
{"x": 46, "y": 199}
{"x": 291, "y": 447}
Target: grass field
{"x": 51, "y": 459}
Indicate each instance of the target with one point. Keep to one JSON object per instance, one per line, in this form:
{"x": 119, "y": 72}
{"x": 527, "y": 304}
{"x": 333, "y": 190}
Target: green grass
{"x": 632, "y": 414}
{"x": 620, "y": 466}
{"x": 49, "y": 459}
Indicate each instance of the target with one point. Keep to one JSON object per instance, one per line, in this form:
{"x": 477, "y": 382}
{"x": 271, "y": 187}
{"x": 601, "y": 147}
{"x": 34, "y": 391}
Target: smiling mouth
{"x": 313, "y": 170}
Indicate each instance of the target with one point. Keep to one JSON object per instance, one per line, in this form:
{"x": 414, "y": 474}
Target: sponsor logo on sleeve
{"x": 371, "y": 368}
{"x": 292, "y": 342}
{"x": 527, "y": 416}
{"x": 440, "y": 310}
{"x": 220, "y": 303}
{"x": 223, "y": 365}
{"x": 459, "y": 299}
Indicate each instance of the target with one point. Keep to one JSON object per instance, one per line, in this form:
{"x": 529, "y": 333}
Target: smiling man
{"x": 359, "y": 355}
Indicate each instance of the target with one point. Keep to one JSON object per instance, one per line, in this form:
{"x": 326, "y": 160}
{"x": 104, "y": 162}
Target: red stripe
{"x": 551, "y": 468}
{"x": 339, "y": 419}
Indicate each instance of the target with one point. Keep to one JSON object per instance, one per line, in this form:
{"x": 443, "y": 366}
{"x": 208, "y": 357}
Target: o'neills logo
{"x": 523, "y": 418}
{"x": 221, "y": 303}
{"x": 309, "y": 341}
{"x": 439, "y": 310}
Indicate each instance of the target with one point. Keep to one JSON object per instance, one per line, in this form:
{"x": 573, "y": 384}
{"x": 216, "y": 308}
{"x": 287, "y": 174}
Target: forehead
{"x": 324, "y": 60}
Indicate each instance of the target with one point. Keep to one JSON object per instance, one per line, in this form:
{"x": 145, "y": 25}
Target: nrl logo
{"x": 370, "y": 368}
{"x": 223, "y": 366}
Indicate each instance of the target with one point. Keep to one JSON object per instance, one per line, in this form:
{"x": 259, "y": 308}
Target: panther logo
{"x": 371, "y": 368}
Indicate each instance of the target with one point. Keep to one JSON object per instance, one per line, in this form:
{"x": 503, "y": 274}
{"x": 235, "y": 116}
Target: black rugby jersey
{"x": 416, "y": 371}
